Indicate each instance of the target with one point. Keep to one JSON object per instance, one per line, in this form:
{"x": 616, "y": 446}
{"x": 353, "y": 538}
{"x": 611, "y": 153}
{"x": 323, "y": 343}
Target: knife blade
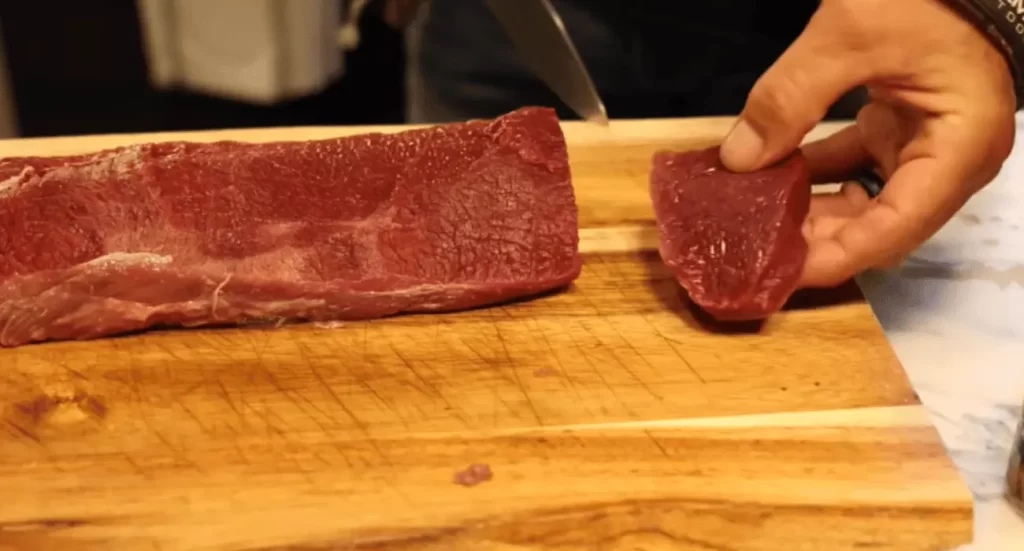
{"x": 543, "y": 44}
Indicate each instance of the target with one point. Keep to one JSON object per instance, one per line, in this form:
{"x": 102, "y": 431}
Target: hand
{"x": 938, "y": 127}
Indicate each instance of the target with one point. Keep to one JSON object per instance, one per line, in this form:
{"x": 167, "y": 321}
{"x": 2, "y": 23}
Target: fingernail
{"x": 743, "y": 147}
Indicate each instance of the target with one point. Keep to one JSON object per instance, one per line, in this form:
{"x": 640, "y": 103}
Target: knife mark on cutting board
{"x": 54, "y": 410}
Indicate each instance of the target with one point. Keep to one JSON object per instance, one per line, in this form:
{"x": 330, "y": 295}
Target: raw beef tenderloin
{"x": 732, "y": 240}
{"x": 189, "y": 234}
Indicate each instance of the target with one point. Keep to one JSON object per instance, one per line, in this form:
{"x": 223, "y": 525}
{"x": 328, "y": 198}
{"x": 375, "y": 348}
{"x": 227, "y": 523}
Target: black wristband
{"x": 1003, "y": 22}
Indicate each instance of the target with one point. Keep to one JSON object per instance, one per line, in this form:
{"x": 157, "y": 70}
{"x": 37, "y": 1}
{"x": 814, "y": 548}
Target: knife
{"x": 540, "y": 38}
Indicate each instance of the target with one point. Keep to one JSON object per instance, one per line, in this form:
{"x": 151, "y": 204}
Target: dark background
{"x": 79, "y": 68}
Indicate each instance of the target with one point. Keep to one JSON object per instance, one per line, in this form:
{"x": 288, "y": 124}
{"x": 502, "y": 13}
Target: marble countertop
{"x": 954, "y": 313}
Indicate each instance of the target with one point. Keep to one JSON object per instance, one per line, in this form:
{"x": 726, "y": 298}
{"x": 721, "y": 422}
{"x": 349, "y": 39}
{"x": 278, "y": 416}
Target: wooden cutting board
{"x": 610, "y": 417}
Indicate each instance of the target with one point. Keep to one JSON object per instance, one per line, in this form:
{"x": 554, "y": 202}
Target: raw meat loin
{"x": 426, "y": 220}
{"x": 732, "y": 240}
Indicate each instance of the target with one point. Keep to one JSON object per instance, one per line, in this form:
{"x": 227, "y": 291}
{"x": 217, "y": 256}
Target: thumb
{"x": 792, "y": 97}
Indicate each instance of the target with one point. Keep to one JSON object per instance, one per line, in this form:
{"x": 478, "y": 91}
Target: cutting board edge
{"x": 577, "y": 133}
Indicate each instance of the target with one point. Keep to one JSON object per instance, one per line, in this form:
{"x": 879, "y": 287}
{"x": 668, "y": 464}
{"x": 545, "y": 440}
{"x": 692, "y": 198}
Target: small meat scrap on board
{"x": 474, "y": 474}
{"x": 188, "y": 234}
{"x": 733, "y": 240}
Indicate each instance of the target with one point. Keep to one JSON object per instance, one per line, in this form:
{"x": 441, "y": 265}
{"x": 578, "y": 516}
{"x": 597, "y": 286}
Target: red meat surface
{"x": 733, "y": 240}
{"x": 188, "y": 234}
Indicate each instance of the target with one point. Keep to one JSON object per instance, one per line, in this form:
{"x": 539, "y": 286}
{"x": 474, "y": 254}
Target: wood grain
{"x": 611, "y": 416}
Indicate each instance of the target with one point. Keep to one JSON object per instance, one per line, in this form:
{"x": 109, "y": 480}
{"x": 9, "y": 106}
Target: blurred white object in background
{"x": 348, "y": 34}
{"x": 258, "y": 51}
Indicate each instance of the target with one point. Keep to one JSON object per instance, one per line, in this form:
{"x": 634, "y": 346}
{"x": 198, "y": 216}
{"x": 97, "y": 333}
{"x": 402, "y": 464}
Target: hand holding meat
{"x": 938, "y": 127}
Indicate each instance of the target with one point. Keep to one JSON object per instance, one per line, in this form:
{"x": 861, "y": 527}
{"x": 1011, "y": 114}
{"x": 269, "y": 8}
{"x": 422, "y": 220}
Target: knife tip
{"x": 601, "y": 117}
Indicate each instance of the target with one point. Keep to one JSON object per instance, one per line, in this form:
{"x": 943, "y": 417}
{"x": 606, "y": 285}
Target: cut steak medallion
{"x": 427, "y": 220}
{"x": 732, "y": 240}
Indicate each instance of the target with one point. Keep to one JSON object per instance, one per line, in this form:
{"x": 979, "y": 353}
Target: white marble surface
{"x": 954, "y": 312}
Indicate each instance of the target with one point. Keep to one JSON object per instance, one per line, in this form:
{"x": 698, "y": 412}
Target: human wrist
{"x": 1002, "y": 21}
